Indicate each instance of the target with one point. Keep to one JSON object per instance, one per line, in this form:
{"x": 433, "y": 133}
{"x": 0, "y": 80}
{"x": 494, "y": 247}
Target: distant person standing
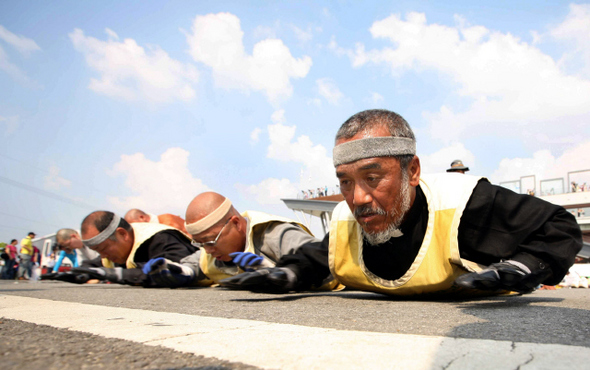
{"x": 8, "y": 271}
{"x": 26, "y": 255}
{"x": 458, "y": 166}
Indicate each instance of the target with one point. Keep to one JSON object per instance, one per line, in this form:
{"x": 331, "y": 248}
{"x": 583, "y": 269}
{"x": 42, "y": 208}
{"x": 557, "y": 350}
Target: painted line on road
{"x": 274, "y": 346}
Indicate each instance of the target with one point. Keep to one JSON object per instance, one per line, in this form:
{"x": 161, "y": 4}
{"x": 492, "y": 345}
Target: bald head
{"x": 202, "y": 205}
{"x": 210, "y": 218}
{"x": 136, "y": 215}
{"x": 63, "y": 235}
{"x": 208, "y": 209}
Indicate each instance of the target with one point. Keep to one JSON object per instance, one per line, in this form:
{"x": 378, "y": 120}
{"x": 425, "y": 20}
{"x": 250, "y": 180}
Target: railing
{"x": 578, "y": 181}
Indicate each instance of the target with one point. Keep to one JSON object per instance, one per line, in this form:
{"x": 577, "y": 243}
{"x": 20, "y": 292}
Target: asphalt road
{"x": 559, "y": 318}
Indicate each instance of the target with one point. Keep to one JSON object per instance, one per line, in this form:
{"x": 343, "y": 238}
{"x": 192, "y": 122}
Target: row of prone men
{"x": 397, "y": 232}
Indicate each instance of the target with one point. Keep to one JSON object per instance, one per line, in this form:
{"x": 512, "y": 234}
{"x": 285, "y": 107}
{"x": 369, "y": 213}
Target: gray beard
{"x": 403, "y": 199}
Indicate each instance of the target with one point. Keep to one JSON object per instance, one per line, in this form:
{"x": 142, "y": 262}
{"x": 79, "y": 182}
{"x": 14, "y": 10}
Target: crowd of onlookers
{"x": 20, "y": 261}
{"x": 576, "y": 188}
{"x": 318, "y": 192}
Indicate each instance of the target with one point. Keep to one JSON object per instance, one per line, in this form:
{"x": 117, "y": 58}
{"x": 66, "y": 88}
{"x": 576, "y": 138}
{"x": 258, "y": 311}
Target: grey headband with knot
{"x": 103, "y": 235}
{"x": 383, "y": 146}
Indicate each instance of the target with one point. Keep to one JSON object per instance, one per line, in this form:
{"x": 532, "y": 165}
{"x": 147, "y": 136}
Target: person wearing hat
{"x": 402, "y": 233}
{"x": 230, "y": 243}
{"x": 458, "y": 166}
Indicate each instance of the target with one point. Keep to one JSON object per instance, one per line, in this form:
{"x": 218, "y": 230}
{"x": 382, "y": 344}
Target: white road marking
{"x": 281, "y": 346}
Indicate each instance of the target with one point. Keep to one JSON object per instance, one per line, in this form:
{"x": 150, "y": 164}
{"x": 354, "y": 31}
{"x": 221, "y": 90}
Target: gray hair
{"x": 366, "y": 120}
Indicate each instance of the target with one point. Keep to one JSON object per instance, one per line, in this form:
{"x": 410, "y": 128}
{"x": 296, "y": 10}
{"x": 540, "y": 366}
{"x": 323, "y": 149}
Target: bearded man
{"x": 402, "y": 234}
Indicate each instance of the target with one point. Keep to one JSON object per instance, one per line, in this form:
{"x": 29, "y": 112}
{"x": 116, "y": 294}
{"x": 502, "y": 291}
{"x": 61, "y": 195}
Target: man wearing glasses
{"x": 230, "y": 243}
{"x": 125, "y": 248}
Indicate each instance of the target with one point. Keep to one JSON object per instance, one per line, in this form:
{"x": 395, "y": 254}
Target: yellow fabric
{"x": 142, "y": 231}
{"x": 437, "y": 264}
{"x": 26, "y": 246}
{"x": 255, "y": 220}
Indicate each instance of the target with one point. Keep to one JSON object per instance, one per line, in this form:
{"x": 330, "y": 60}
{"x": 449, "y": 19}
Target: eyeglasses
{"x": 212, "y": 243}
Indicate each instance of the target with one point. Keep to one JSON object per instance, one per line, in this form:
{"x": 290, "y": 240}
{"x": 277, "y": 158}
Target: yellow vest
{"x": 255, "y": 220}
{"x": 438, "y": 262}
{"x": 142, "y": 231}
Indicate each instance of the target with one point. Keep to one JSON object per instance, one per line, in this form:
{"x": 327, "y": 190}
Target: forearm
{"x": 192, "y": 262}
{"x": 498, "y": 224}
{"x": 58, "y": 263}
{"x": 309, "y": 263}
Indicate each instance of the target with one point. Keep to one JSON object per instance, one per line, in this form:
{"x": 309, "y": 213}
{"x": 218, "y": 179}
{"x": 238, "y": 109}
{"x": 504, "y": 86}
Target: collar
{"x": 413, "y": 215}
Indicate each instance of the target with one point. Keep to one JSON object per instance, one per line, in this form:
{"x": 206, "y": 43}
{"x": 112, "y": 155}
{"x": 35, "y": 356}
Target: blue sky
{"x": 115, "y": 105}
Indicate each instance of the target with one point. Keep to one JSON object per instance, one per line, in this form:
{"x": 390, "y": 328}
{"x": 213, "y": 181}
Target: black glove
{"x": 507, "y": 275}
{"x": 165, "y": 273}
{"x": 49, "y": 276}
{"x": 114, "y": 275}
{"x": 68, "y": 277}
{"x": 270, "y": 280}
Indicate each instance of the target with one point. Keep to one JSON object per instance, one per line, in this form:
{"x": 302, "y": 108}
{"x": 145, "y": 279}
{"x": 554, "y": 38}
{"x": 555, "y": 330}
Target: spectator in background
{"x": 50, "y": 262}
{"x": 8, "y": 272}
{"x": 25, "y": 256}
{"x": 457, "y": 166}
{"x": 34, "y": 273}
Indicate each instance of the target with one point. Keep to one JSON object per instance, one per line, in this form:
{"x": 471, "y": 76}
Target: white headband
{"x": 386, "y": 146}
{"x": 211, "y": 219}
{"x": 103, "y": 235}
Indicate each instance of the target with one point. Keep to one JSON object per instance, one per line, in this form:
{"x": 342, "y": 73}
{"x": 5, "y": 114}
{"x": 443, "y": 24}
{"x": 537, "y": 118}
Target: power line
{"x": 28, "y": 219}
{"x": 86, "y": 186}
{"x": 14, "y": 227}
{"x": 47, "y": 194}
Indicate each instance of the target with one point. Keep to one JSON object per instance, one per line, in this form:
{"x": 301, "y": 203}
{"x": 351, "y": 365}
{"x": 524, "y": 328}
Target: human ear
{"x": 414, "y": 171}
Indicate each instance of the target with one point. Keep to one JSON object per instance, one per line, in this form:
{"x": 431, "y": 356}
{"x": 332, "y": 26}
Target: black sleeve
{"x": 169, "y": 244}
{"x": 499, "y": 224}
{"x": 95, "y": 262}
{"x": 135, "y": 277}
{"x": 310, "y": 264}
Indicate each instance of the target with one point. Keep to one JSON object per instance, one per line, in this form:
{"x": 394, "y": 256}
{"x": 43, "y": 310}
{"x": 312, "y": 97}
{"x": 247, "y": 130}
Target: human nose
{"x": 361, "y": 196}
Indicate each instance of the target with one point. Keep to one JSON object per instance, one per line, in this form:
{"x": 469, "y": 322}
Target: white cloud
{"x": 23, "y": 44}
{"x": 216, "y": 40}
{"x": 264, "y": 32}
{"x": 166, "y": 186}
{"x": 303, "y": 36}
{"x": 269, "y": 191}
{"x": 317, "y": 169}
{"x": 130, "y": 72}
{"x": 11, "y": 124}
{"x": 375, "y": 99}
{"x": 511, "y": 87}
{"x": 278, "y": 116}
{"x": 575, "y": 29}
{"x": 543, "y": 165}
{"x": 255, "y": 136}
{"x": 55, "y": 182}
{"x": 329, "y": 91}
{"x": 441, "y": 160}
